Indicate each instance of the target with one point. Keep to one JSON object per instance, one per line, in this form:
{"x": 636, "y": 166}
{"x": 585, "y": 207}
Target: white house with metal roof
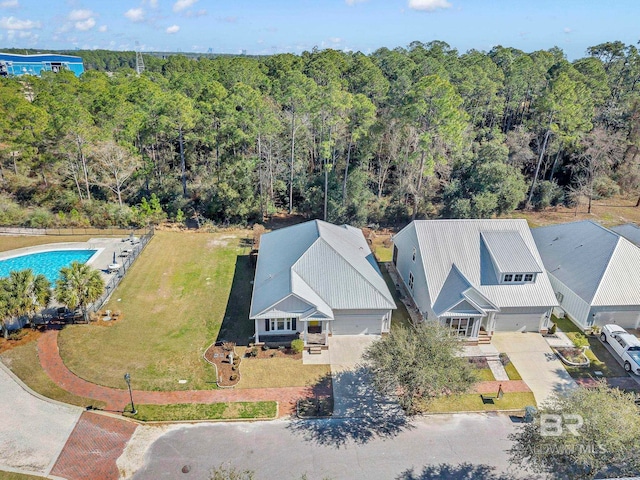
{"x": 476, "y": 276}
{"x": 318, "y": 279}
{"x": 594, "y": 272}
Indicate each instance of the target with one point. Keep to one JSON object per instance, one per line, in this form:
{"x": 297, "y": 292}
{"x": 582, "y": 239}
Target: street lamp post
{"x": 127, "y": 378}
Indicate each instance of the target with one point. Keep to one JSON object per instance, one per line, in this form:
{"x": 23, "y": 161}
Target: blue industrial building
{"x": 12, "y": 64}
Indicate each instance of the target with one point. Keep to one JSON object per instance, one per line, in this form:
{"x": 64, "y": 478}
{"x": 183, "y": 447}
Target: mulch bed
{"x": 273, "y": 353}
{"x": 219, "y": 356}
{"x": 30, "y": 335}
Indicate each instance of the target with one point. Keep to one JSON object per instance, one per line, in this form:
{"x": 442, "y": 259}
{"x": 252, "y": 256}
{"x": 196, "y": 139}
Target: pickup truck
{"x": 625, "y": 345}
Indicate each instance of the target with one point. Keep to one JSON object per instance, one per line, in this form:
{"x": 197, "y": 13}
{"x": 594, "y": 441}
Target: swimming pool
{"x": 48, "y": 263}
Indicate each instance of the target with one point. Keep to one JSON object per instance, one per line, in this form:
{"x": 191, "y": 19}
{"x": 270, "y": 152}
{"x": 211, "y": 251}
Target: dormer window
{"x": 518, "y": 278}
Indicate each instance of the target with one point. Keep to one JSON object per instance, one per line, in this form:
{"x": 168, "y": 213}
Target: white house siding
{"x": 520, "y": 319}
{"x": 263, "y": 331}
{"x": 576, "y": 308}
{"x": 627, "y": 316}
{"x": 360, "y": 322}
{"x": 405, "y": 244}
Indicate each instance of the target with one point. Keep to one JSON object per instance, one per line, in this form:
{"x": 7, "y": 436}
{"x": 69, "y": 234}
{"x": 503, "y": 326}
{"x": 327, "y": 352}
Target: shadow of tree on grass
{"x": 462, "y": 471}
{"x": 360, "y": 414}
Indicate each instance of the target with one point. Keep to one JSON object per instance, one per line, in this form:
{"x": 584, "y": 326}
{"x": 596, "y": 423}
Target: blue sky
{"x": 275, "y": 26}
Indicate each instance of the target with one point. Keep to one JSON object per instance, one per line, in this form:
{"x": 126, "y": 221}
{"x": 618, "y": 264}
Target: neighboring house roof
{"x": 460, "y": 259}
{"x": 315, "y": 267}
{"x": 629, "y": 231}
{"x": 597, "y": 264}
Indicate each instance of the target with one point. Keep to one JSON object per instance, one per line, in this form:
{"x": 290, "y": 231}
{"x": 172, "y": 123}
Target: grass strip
{"x": 472, "y": 402}
{"x": 204, "y": 411}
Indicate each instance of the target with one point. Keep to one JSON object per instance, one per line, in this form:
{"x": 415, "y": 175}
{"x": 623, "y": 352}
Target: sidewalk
{"x": 117, "y": 399}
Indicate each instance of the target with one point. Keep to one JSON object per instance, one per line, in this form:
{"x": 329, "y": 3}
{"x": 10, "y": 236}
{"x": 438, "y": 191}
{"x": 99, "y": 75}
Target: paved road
{"x": 470, "y": 445}
{"x": 538, "y": 366}
{"x": 32, "y": 431}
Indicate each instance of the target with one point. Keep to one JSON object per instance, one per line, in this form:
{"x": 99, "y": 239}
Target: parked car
{"x": 625, "y": 345}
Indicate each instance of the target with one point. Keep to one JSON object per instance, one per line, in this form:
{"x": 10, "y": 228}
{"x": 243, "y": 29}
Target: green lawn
{"x": 279, "y": 372}
{"x": 204, "y": 411}
{"x": 23, "y": 361}
{"x": 472, "y": 402}
{"x": 18, "y": 476}
{"x": 512, "y": 372}
{"x": 484, "y": 375}
{"x": 382, "y": 253}
{"x": 601, "y": 359}
{"x": 10, "y": 243}
{"x": 183, "y": 291}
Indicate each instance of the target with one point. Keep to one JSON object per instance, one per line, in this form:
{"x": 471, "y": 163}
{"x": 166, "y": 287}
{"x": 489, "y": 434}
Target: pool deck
{"x": 106, "y": 247}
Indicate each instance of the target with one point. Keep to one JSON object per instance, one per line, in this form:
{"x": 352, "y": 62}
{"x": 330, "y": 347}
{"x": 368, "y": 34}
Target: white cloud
{"x": 183, "y": 4}
{"x": 87, "y": 24}
{"x": 13, "y": 23}
{"x": 567, "y": 30}
{"x": 353, "y": 2}
{"x": 428, "y": 5}
{"x": 77, "y": 15}
{"x": 9, "y": 4}
{"x": 135, "y": 14}
{"x": 335, "y": 39}
{"x": 153, "y": 3}
{"x": 173, "y": 29}
{"x": 103, "y": 28}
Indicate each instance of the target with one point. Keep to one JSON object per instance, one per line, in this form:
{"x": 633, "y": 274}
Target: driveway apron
{"x": 539, "y": 367}
{"x": 353, "y": 392}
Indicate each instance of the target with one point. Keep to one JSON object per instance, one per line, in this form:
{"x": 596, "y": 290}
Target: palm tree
{"x": 22, "y": 293}
{"x": 32, "y": 291}
{"x": 78, "y": 286}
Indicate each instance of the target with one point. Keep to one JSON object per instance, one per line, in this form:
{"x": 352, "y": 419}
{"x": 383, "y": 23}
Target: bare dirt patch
{"x": 29, "y": 336}
{"x": 218, "y": 354}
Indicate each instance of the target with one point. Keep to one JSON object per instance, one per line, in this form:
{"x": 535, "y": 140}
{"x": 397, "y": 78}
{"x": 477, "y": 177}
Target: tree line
{"x": 422, "y": 131}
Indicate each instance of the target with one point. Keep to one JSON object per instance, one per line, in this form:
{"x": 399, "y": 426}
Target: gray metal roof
{"x": 509, "y": 252}
{"x": 599, "y": 265}
{"x": 458, "y": 265}
{"x": 325, "y": 265}
{"x": 629, "y": 231}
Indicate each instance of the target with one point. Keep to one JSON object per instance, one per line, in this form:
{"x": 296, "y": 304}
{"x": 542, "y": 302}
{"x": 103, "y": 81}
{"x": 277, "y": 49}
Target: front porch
{"x": 275, "y": 332}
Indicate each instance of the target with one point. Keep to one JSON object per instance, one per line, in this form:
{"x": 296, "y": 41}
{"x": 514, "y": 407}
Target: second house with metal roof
{"x": 475, "y": 276}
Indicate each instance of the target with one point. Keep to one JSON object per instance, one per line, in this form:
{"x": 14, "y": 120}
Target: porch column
{"x": 257, "y": 334}
{"x": 491, "y": 324}
{"x": 475, "y": 330}
{"x": 305, "y": 324}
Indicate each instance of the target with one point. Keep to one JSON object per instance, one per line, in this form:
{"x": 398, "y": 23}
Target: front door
{"x": 314, "y": 326}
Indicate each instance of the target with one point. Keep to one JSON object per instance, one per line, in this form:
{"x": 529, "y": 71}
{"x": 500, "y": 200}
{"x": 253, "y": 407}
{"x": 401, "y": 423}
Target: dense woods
{"x": 367, "y": 139}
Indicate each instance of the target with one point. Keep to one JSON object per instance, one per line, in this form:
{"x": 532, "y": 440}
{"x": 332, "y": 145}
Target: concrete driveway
{"x": 539, "y": 367}
{"x": 353, "y": 393}
{"x": 32, "y": 431}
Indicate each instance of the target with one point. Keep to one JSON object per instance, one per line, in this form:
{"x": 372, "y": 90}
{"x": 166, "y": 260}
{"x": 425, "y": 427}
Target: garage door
{"x": 624, "y": 319}
{"x": 356, "y": 325}
{"x": 518, "y": 322}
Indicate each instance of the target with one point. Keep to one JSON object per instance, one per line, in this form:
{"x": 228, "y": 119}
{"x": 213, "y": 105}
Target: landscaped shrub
{"x": 17, "y": 334}
{"x": 265, "y": 347}
{"x": 580, "y": 340}
{"x": 233, "y": 377}
{"x": 297, "y": 345}
{"x": 552, "y": 330}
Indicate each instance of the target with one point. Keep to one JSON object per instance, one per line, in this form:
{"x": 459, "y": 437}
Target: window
{"x": 528, "y": 277}
{"x": 282, "y": 324}
{"x": 411, "y": 280}
{"x": 413, "y": 257}
{"x": 517, "y": 277}
{"x": 508, "y": 277}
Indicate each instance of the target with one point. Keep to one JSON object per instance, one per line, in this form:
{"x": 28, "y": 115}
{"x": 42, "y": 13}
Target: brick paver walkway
{"x": 117, "y": 399}
{"x": 93, "y": 448}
